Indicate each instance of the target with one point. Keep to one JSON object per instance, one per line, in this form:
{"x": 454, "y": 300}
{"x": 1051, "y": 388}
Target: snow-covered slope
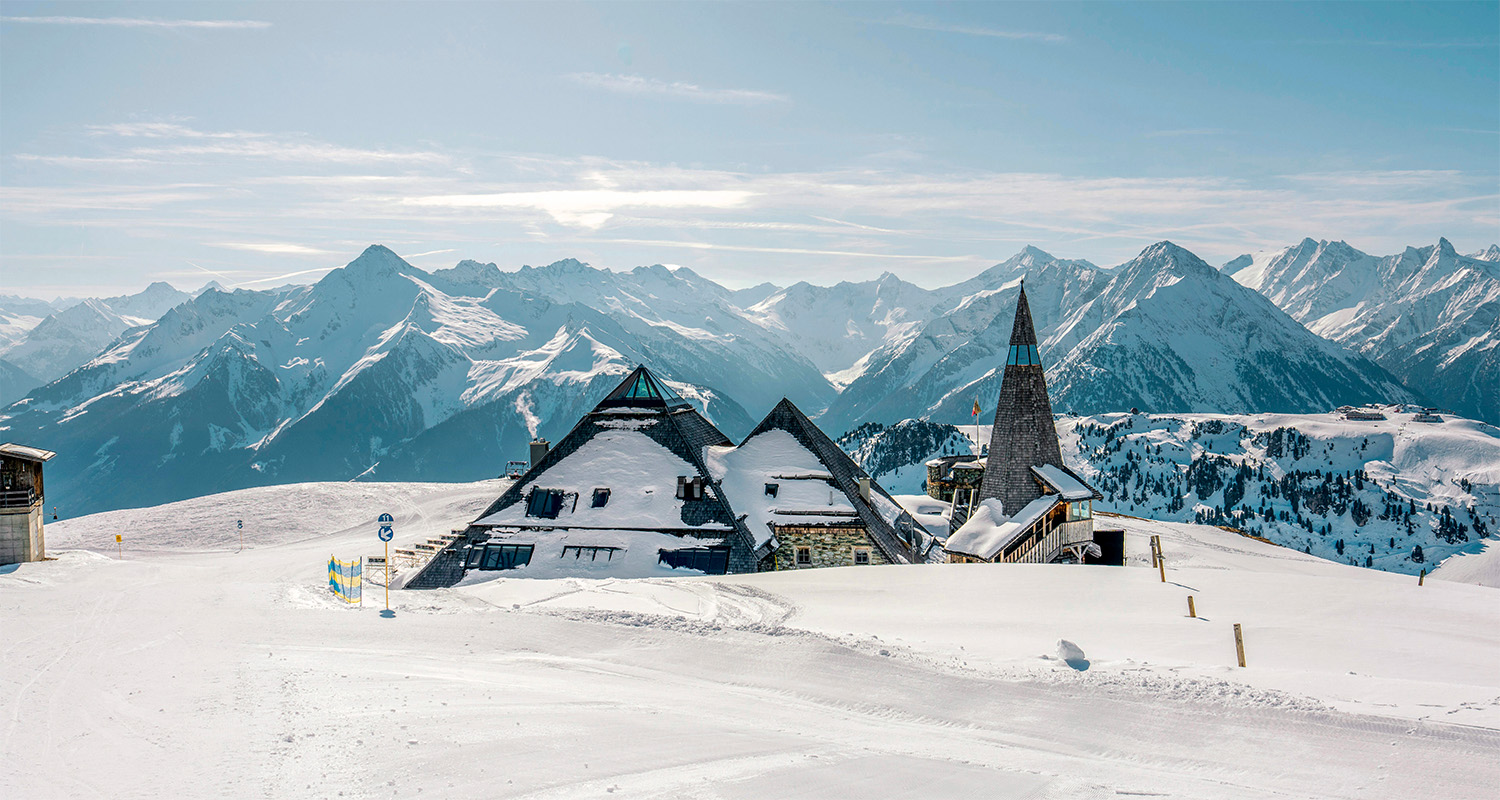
{"x": 1428, "y": 315}
{"x": 189, "y": 669}
{"x": 1366, "y": 493}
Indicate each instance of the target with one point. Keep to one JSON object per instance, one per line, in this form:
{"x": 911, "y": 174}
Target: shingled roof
{"x": 890, "y": 527}
{"x": 640, "y": 404}
{"x": 1024, "y": 434}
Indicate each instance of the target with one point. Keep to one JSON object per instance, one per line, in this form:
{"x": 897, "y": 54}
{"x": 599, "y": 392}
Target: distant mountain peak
{"x": 377, "y": 259}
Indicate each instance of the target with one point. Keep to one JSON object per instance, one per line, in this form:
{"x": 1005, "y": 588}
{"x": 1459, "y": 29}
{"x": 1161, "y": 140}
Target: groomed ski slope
{"x": 187, "y": 669}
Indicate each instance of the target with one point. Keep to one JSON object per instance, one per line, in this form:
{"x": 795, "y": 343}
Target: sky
{"x": 256, "y": 144}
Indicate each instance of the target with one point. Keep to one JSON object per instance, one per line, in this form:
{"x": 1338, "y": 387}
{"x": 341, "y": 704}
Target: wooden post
{"x": 1422, "y": 577}
{"x": 1161, "y": 559}
{"x": 1239, "y": 644}
{"x": 1192, "y": 612}
{"x": 1154, "y": 546}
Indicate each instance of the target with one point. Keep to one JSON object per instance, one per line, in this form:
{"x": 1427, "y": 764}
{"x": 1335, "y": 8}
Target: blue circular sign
{"x": 386, "y": 519}
{"x": 385, "y": 533}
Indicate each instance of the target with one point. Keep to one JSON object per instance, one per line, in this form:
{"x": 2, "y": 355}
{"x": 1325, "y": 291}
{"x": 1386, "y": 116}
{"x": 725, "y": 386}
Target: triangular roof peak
{"x": 641, "y": 389}
{"x": 1023, "y": 332}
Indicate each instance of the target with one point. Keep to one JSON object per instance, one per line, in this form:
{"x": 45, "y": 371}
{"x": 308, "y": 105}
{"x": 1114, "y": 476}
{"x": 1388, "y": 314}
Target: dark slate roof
{"x": 680, "y": 429}
{"x": 846, "y": 474}
{"x": 1024, "y": 433}
{"x": 642, "y": 389}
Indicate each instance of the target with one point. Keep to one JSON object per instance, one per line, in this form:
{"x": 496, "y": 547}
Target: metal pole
{"x": 361, "y": 581}
{"x": 387, "y": 576}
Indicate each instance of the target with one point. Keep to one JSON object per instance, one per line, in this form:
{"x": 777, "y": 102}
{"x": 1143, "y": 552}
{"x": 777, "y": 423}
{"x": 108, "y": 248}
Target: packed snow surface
{"x": 188, "y": 669}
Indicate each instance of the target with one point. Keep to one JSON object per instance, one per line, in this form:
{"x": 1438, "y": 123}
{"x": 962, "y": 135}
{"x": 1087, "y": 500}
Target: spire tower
{"x": 1024, "y": 434}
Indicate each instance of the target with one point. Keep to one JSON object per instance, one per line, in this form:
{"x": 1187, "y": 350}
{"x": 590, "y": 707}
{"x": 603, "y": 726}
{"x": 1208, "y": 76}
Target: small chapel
{"x": 1019, "y": 503}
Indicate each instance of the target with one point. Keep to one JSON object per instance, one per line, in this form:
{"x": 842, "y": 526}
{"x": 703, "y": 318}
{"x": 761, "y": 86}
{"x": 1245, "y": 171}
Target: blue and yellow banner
{"x": 345, "y": 579}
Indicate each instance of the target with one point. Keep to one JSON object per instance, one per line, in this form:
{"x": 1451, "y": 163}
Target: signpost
{"x": 239, "y": 523}
{"x": 119, "y": 549}
{"x": 386, "y": 533}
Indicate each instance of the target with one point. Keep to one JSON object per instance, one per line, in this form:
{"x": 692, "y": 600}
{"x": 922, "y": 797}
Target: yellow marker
{"x": 119, "y": 550}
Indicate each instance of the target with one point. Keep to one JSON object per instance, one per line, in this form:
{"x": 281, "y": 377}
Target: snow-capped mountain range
{"x": 382, "y": 370}
{"x": 1428, "y": 315}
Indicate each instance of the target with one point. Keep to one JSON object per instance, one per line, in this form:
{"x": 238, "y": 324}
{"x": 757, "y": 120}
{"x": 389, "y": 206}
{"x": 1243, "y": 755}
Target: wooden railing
{"x": 17, "y": 498}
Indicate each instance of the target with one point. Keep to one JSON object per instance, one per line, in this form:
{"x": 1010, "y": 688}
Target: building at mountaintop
{"x": 1020, "y": 503}
{"x": 645, "y": 485}
{"x": 21, "y": 503}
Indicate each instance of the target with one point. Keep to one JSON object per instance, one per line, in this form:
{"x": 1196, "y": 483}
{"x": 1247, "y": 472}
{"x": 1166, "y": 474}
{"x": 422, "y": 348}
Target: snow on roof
{"x": 640, "y": 474}
{"x": 803, "y": 483}
{"x": 988, "y": 531}
{"x": 24, "y": 452}
{"x": 1066, "y": 485}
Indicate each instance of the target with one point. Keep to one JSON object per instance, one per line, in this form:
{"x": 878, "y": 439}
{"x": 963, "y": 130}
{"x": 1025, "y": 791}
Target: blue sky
{"x": 781, "y": 142}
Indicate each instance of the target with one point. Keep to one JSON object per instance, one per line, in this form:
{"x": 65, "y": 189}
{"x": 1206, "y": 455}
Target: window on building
{"x": 710, "y": 560}
{"x": 772, "y": 489}
{"x": 804, "y": 556}
{"x": 581, "y": 552}
{"x": 1081, "y": 510}
{"x": 499, "y": 556}
{"x": 601, "y": 498}
{"x": 1024, "y": 355}
{"x": 861, "y": 555}
{"x": 689, "y": 487}
{"x": 544, "y": 503}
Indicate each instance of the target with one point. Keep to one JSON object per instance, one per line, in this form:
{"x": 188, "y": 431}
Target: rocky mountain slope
{"x": 1428, "y": 315}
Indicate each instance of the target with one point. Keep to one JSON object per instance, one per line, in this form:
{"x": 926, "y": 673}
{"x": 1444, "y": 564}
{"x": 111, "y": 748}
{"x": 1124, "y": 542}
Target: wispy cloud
{"x": 275, "y": 248}
{"x": 588, "y": 208}
{"x": 795, "y": 250}
{"x": 638, "y": 85}
{"x": 136, "y": 22}
{"x": 172, "y": 141}
{"x": 431, "y": 253}
{"x": 926, "y": 24}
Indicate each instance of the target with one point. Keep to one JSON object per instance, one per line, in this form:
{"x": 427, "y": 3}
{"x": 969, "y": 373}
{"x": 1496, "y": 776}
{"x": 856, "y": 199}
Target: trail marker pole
{"x": 119, "y": 549}
{"x": 1192, "y": 612}
{"x": 1422, "y": 577}
{"x": 239, "y": 523}
{"x": 1153, "y": 551}
{"x": 385, "y": 533}
{"x": 1161, "y": 560}
{"x": 1239, "y": 644}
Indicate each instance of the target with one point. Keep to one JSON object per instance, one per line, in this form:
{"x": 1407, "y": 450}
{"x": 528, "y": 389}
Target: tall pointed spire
{"x": 1024, "y": 434}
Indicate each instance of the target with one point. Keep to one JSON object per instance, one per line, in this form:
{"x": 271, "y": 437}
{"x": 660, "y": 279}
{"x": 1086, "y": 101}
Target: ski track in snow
{"x": 189, "y": 671}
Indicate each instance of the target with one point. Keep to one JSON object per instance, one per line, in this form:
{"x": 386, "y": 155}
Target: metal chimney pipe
{"x": 539, "y": 448}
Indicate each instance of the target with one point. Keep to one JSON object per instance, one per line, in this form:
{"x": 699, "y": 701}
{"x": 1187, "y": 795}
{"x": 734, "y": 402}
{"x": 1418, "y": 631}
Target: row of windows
{"x": 804, "y": 556}
{"x": 1081, "y": 510}
{"x": 499, "y": 556}
{"x": 710, "y": 560}
{"x": 548, "y": 503}
{"x": 578, "y": 551}
{"x": 1024, "y": 355}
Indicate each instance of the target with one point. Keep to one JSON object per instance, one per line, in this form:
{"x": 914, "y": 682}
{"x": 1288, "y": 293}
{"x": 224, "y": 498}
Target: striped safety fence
{"x": 345, "y": 579}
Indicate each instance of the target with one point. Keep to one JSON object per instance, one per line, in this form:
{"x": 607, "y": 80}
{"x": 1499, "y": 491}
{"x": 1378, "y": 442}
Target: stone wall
{"x": 832, "y": 546}
{"x": 21, "y": 535}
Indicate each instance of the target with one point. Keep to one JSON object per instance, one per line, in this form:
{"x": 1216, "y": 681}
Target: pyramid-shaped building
{"x": 645, "y": 485}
